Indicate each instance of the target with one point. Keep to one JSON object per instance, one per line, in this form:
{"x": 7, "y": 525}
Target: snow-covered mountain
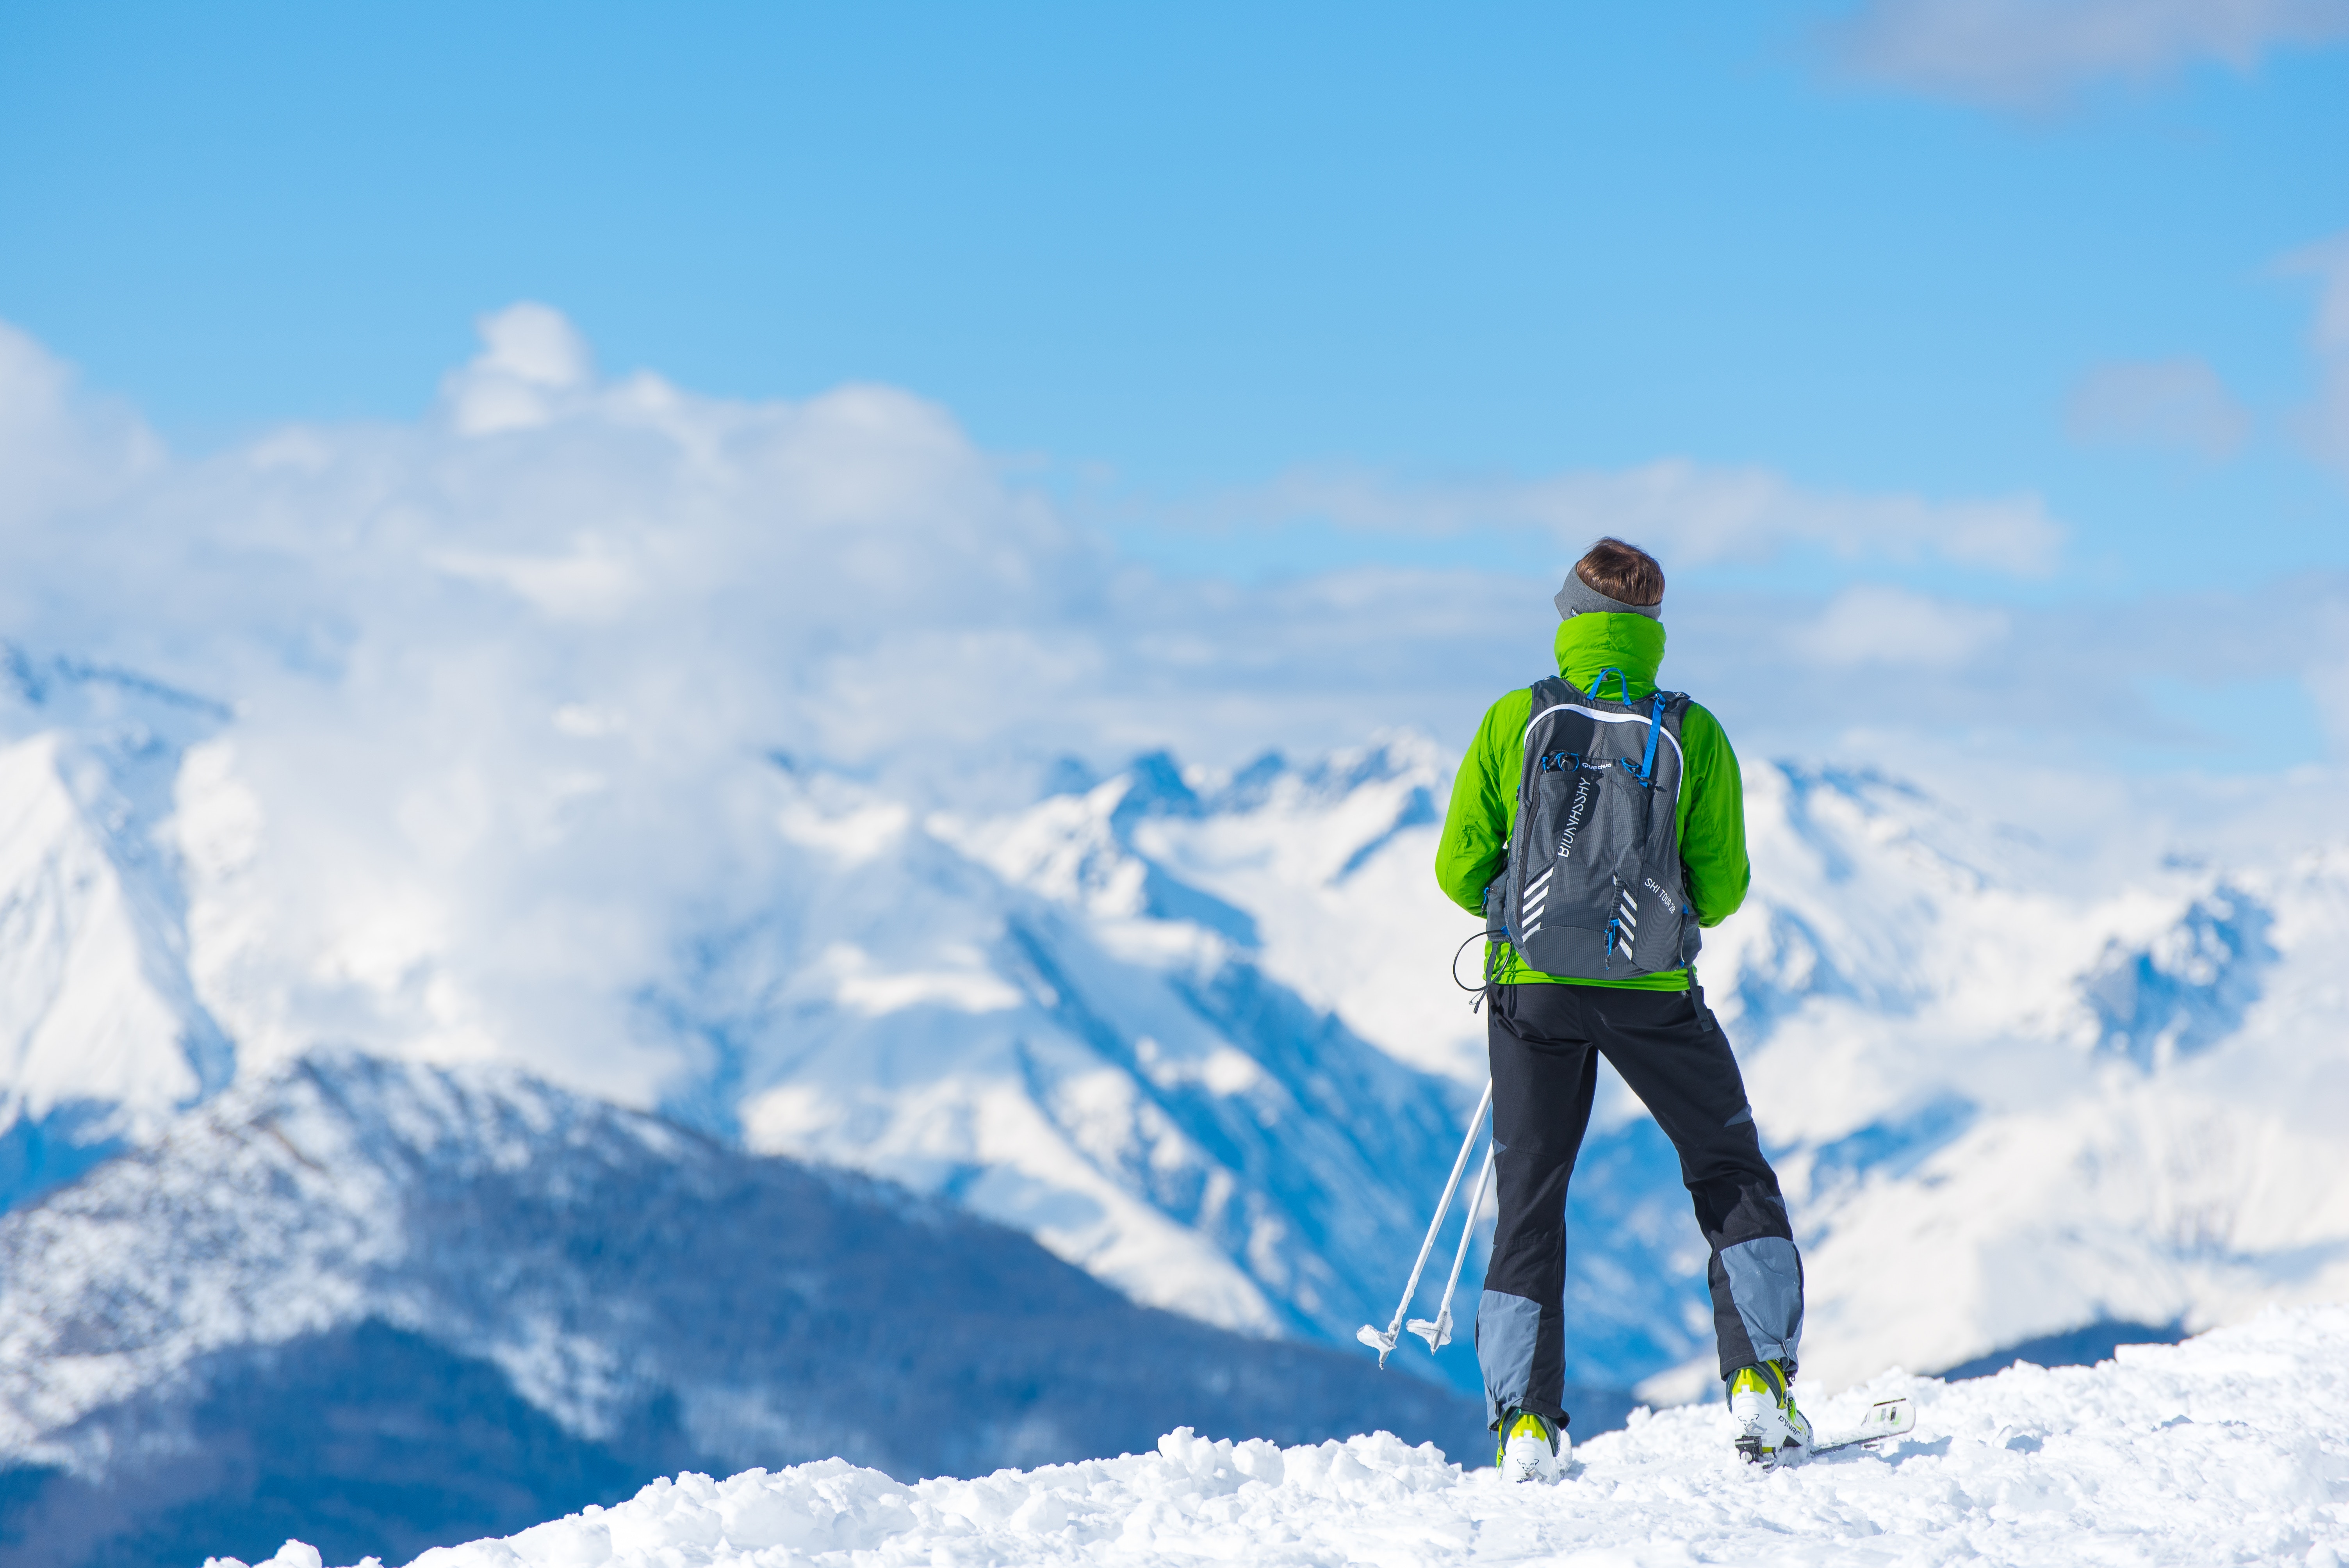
{"x": 506, "y": 1299}
{"x": 2009, "y": 1104}
{"x": 1090, "y": 1050}
{"x": 1194, "y": 1033}
{"x": 1141, "y": 1097}
{"x": 2232, "y": 1448}
{"x": 2005, "y": 1105}
{"x": 102, "y": 1035}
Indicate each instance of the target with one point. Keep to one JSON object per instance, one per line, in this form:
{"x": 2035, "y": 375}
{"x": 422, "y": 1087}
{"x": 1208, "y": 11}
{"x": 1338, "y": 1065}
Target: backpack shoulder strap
{"x": 1549, "y": 693}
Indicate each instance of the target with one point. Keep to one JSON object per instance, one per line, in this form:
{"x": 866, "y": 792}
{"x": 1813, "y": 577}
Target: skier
{"x": 1645, "y": 1015}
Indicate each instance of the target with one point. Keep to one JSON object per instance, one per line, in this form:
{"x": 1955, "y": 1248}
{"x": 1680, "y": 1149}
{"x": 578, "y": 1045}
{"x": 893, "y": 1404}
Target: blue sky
{"x": 1971, "y": 339}
{"x": 1170, "y": 254}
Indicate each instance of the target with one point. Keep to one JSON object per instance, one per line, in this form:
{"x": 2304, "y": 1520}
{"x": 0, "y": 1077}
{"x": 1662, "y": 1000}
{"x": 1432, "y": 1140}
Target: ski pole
{"x": 1384, "y": 1343}
{"x": 1438, "y": 1332}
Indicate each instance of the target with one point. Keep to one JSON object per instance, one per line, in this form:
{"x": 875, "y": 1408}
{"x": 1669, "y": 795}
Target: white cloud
{"x": 1687, "y": 513}
{"x": 530, "y": 357}
{"x": 60, "y": 449}
{"x": 2027, "y": 52}
{"x": 1871, "y": 624}
{"x": 2173, "y": 403}
{"x": 591, "y": 582}
{"x": 507, "y": 678}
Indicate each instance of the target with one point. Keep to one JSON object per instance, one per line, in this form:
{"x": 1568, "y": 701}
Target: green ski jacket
{"x": 1711, "y": 817}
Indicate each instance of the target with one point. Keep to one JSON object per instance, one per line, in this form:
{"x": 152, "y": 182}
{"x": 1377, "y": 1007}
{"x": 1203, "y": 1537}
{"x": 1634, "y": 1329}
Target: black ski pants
{"x": 1546, "y": 1040}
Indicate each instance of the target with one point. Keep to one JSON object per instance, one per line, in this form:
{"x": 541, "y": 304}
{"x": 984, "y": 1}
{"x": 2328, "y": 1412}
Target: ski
{"x": 1885, "y": 1419}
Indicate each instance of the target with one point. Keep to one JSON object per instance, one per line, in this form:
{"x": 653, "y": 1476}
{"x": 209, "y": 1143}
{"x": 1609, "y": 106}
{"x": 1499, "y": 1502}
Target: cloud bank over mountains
{"x": 678, "y": 576}
{"x": 476, "y": 707}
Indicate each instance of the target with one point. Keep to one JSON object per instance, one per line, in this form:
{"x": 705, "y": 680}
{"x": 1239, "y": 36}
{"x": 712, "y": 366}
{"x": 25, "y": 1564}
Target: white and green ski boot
{"x": 1770, "y": 1432}
{"x": 1531, "y": 1447}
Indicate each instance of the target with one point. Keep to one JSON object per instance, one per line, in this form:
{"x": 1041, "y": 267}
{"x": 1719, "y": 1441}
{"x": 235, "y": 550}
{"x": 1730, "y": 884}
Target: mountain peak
{"x": 102, "y": 1035}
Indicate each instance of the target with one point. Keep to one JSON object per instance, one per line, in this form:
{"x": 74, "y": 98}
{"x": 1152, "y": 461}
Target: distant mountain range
{"x": 1192, "y": 1034}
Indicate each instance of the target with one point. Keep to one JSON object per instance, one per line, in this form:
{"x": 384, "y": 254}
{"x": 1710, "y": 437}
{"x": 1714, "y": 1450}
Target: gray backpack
{"x": 1593, "y": 888}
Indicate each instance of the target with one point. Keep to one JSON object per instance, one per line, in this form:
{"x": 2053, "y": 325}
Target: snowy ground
{"x": 2232, "y": 1448}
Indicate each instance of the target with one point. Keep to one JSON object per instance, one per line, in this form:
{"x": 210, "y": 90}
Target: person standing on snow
{"x": 1547, "y": 1030}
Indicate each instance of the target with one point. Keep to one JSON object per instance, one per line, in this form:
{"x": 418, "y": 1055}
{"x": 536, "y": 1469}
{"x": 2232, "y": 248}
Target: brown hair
{"x": 1623, "y": 572}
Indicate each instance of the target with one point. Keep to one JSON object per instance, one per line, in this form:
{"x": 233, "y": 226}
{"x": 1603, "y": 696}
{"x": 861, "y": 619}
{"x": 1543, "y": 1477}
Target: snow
{"x": 101, "y": 1034}
{"x": 1951, "y": 1077}
{"x": 274, "y": 1211}
{"x": 1027, "y": 1013}
{"x": 2232, "y": 1448}
{"x": 90, "y": 1023}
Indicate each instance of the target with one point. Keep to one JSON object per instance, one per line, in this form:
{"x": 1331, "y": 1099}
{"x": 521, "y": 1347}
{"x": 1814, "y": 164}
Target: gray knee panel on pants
{"x": 1505, "y": 1349}
{"x": 1766, "y": 1282}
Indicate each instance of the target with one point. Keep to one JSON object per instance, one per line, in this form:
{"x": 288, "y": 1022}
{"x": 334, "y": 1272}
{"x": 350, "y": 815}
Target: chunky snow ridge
{"x": 2232, "y": 1448}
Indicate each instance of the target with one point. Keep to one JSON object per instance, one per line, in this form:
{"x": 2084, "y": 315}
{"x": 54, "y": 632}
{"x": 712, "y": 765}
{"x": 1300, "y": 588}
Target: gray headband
{"x": 1580, "y": 598}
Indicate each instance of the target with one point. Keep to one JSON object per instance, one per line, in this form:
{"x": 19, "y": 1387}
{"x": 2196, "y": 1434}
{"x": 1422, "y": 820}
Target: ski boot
{"x": 1531, "y": 1448}
{"x": 1771, "y": 1431}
